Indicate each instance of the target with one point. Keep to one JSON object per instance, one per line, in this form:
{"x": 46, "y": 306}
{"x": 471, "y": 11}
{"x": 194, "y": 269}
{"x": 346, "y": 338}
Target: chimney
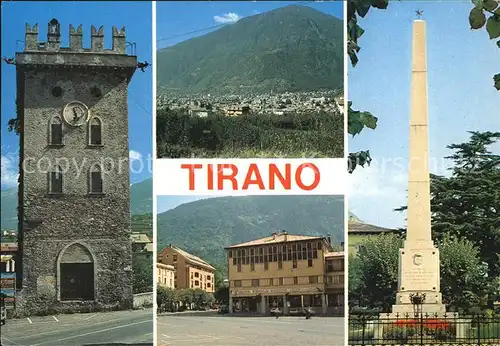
{"x": 31, "y": 37}
{"x": 119, "y": 40}
{"x": 97, "y": 39}
{"x": 54, "y": 35}
{"x": 75, "y": 38}
{"x": 329, "y": 240}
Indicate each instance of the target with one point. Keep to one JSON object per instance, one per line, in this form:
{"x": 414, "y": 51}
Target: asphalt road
{"x": 215, "y": 330}
{"x": 131, "y": 327}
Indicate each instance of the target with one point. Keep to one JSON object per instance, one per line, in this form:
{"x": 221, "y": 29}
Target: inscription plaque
{"x": 419, "y": 270}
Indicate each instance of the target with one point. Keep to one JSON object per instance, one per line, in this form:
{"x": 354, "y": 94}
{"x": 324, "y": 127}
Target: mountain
{"x": 293, "y": 48}
{"x": 9, "y": 209}
{"x": 205, "y": 227}
{"x": 141, "y": 196}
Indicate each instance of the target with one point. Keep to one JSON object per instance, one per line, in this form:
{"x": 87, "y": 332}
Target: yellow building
{"x": 359, "y": 231}
{"x": 285, "y": 271}
{"x": 190, "y": 271}
{"x": 233, "y": 111}
{"x": 165, "y": 274}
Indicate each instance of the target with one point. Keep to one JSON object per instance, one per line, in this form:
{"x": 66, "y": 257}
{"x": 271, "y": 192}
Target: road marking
{"x": 29, "y": 320}
{"x": 88, "y": 318}
{"x": 55, "y": 318}
{"x": 100, "y": 331}
{"x": 165, "y": 335}
{"x": 167, "y": 324}
{"x": 9, "y": 341}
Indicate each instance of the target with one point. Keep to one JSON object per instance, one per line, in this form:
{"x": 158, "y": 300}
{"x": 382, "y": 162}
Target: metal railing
{"x": 424, "y": 329}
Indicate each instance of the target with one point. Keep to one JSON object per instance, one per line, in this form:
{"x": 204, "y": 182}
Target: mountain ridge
{"x": 292, "y": 48}
{"x": 206, "y": 226}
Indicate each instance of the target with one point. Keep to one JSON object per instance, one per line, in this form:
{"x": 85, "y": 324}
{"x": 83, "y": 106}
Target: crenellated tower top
{"x": 53, "y": 43}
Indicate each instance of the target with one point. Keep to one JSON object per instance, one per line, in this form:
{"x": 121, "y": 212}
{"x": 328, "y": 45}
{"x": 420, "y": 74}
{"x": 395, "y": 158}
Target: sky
{"x": 460, "y": 63}
{"x": 137, "y": 19}
{"x": 165, "y": 203}
{"x": 178, "y": 21}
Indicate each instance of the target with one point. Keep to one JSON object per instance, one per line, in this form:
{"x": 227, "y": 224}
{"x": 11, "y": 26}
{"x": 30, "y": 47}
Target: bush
{"x": 181, "y": 135}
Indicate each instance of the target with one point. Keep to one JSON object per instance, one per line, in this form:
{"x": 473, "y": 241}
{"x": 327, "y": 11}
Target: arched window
{"x": 96, "y": 185}
{"x": 56, "y": 180}
{"x": 56, "y": 131}
{"x": 95, "y": 131}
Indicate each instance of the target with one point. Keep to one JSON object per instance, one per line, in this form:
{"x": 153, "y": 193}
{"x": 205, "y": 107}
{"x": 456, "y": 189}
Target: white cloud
{"x": 135, "y": 155}
{"x": 9, "y": 170}
{"x": 227, "y": 18}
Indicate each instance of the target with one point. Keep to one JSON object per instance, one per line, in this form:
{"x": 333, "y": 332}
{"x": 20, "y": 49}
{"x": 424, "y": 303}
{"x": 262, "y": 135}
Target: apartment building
{"x": 165, "y": 274}
{"x": 190, "y": 271}
{"x": 286, "y": 271}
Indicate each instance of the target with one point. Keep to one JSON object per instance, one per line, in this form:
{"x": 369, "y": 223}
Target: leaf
{"x": 368, "y": 120}
{"x": 490, "y": 5}
{"x": 493, "y": 26}
{"x": 478, "y": 3}
{"x": 354, "y": 124}
{"x": 381, "y": 4}
{"x": 362, "y": 7}
{"x": 496, "y": 79}
{"x": 477, "y": 19}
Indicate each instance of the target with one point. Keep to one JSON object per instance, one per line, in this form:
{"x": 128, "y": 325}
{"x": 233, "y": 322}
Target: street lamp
{"x": 417, "y": 299}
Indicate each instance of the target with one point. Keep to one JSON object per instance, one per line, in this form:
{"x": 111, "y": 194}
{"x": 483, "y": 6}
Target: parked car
{"x": 301, "y": 311}
{"x": 223, "y": 309}
{"x": 3, "y": 314}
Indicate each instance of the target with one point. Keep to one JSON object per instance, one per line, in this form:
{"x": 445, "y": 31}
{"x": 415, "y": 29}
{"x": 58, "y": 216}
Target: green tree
{"x": 142, "y": 269}
{"x": 464, "y": 278}
{"x": 167, "y": 299}
{"x": 373, "y": 281}
{"x": 222, "y": 294}
{"x": 467, "y": 203}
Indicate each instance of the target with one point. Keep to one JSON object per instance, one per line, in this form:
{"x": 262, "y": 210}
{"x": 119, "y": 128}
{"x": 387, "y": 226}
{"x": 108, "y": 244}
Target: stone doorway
{"x": 77, "y": 281}
{"x": 76, "y": 271}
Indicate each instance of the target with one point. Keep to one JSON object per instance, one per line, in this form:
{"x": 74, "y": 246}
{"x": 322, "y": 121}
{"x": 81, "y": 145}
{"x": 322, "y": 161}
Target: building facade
{"x": 359, "y": 231}
{"x": 190, "y": 271}
{"x": 165, "y": 275}
{"x": 74, "y": 189}
{"x": 142, "y": 246}
{"x": 285, "y": 271}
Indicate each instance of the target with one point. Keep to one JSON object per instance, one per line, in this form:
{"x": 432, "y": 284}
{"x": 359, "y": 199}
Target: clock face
{"x": 75, "y": 113}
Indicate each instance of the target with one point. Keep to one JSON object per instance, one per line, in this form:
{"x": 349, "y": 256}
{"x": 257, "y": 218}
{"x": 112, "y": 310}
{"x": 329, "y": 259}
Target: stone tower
{"x": 419, "y": 258}
{"x": 74, "y": 191}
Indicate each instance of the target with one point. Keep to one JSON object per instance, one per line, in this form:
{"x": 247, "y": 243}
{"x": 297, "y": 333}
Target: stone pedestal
{"x": 419, "y": 273}
{"x": 230, "y": 305}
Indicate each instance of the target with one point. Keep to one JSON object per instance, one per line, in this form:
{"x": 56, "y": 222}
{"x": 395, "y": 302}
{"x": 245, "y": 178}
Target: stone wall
{"x": 143, "y": 300}
{"x": 51, "y": 223}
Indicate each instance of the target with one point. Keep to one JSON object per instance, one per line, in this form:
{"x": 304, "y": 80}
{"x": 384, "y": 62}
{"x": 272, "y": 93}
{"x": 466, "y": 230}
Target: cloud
{"x": 9, "y": 170}
{"x": 227, "y": 18}
{"x": 134, "y": 155}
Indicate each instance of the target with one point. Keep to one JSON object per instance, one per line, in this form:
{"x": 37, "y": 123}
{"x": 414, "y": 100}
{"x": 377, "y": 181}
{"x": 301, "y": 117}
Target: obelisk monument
{"x": 419, "y": 258}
